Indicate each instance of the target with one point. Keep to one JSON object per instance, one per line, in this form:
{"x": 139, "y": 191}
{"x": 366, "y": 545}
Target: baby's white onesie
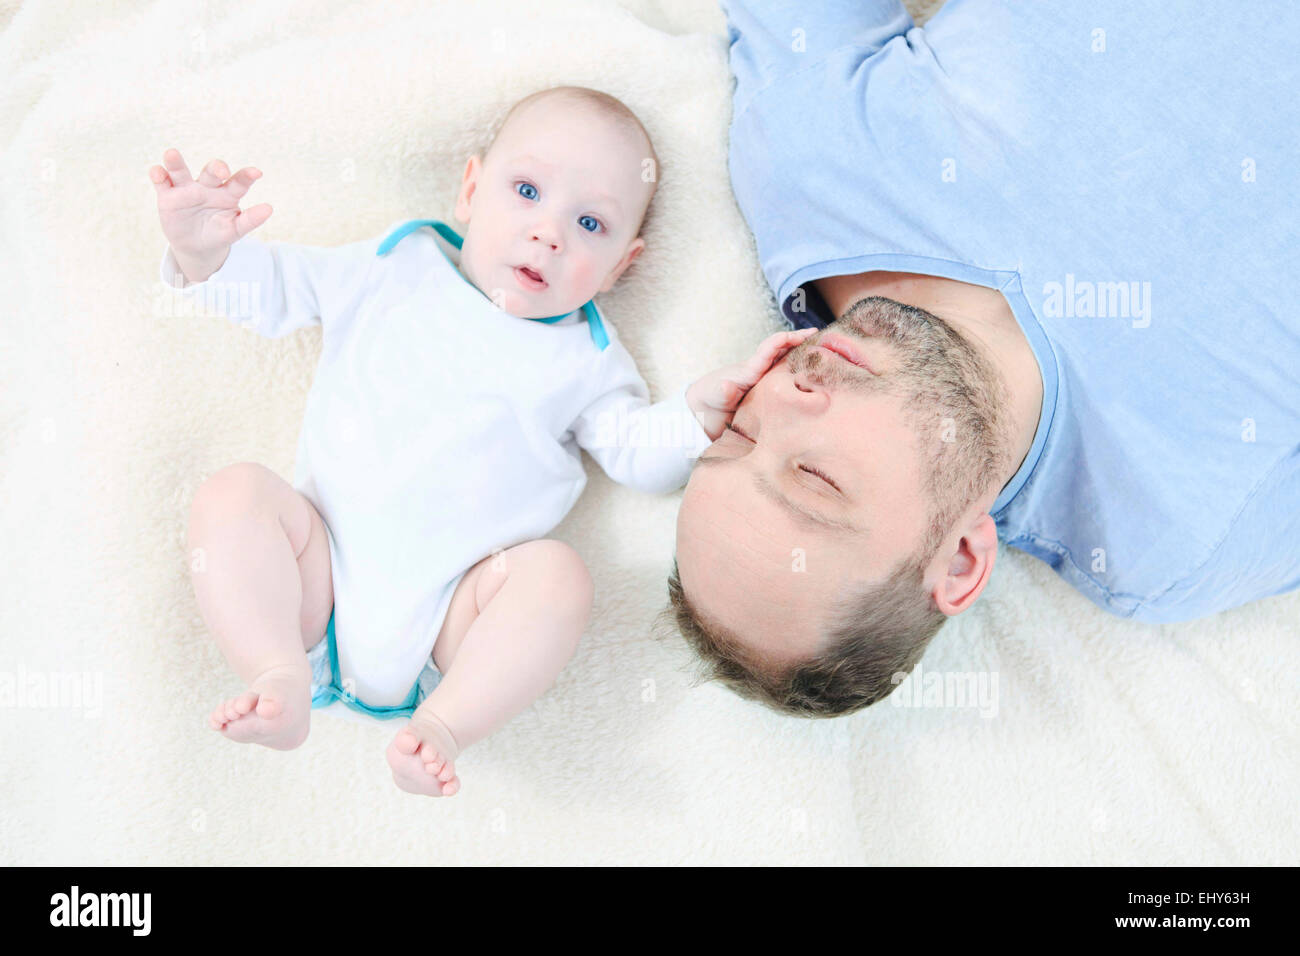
{"x": 438, "y": 428}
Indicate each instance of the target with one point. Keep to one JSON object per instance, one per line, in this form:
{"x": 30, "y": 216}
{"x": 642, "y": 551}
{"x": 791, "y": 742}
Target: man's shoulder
{"x": 1142, "y": 550}
{"x": 1259, "y": 556}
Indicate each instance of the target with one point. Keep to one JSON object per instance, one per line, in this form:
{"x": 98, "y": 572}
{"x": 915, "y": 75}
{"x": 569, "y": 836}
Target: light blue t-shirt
{"x": 1128, "y": 175}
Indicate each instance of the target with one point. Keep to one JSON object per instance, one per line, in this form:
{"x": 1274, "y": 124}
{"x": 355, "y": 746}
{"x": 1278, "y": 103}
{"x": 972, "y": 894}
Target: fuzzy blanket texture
{"x": 1102, "y": 742}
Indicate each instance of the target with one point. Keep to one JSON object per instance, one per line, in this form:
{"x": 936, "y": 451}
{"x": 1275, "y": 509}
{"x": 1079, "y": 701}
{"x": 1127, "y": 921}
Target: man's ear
{"x": 635, "y": 249}
{"x": 468, "y": 183}
{"x": 969, "y": 566}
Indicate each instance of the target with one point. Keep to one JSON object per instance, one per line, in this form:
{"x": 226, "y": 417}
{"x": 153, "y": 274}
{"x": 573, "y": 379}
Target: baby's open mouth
{"x": 529, "y": 278}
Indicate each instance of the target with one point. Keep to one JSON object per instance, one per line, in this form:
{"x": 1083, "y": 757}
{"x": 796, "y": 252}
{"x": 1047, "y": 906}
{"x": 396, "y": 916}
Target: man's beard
{"x": 955, "y": 401}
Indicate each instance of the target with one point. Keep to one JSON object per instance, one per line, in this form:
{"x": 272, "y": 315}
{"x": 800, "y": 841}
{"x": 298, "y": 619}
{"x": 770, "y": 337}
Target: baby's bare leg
{"x": 261, "y": 569}
{"x": 530, "y": 605}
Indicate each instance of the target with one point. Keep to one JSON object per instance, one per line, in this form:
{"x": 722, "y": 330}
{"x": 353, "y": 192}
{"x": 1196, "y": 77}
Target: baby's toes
{"x": 433, "y": 760}
{"x": 402, "y": 758}
{"x": 406, "y": 742}
{"x": 444, "y": 782}
{"x": 237, "y": 707}
{"x": 443, "y": 770}
{"x": 409, "y": 775}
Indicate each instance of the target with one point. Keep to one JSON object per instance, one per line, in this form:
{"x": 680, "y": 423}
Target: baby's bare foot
{"x": 422, "y": 757}
{"x": 275, "y": 711}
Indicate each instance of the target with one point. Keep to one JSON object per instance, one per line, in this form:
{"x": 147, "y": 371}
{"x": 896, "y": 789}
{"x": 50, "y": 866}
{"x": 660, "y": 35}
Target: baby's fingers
{"x": 732, "y": 395}
{"x": 782, "y": 341}
{"x": 242, "y": 180}
{"x": 773, "y": 347}
{"x": 175, "y": 167}
{"x": 723, "y": 392}
{"x": 214, "y": 174}
{"x": 250, "y": 219}
{"x": 161, "y": 181}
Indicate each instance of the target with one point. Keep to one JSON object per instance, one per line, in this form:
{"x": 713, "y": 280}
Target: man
{"x": 1051, "y": 246}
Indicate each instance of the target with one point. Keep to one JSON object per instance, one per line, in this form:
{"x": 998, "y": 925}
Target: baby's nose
{"x": 548, "y": 236}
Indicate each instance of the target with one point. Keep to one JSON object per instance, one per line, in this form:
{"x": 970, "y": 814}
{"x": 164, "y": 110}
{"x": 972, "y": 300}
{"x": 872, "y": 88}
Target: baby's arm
{"x": 524, "y": 612}
{"x": 653, "y": 447}
{"x": 650, "y": 447}
{"x": 271, "y": 287}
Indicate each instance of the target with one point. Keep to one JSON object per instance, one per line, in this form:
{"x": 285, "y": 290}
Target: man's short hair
{"x": 873, "y": 634}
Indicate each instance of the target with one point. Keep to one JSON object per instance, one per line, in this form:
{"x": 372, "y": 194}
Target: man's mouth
{"x": 845, "y": 350}
{"x": 530, "y": 279}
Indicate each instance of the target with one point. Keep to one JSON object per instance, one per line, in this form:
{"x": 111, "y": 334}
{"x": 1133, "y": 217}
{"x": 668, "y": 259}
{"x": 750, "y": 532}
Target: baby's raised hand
{"x": 714, "y": 397}
{"x": 200, "y": 217}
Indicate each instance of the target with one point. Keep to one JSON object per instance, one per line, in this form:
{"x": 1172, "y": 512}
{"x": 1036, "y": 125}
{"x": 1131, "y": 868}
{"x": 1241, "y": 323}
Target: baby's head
{"x": 562, "y": 191}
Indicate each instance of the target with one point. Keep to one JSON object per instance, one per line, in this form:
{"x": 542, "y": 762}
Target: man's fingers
{"x": 176, "y": 169}
{"x": 250, "y": 219}
{"x": 242, "y": 180}
{"x": 214, "y": 174}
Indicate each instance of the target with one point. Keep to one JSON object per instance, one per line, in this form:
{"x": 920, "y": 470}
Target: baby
{"x": 404, "y": 574}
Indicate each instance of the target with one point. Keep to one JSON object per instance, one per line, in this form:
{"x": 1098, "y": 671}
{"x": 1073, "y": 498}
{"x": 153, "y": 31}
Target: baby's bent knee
{"x": 550, "y": 565}
{"x": 570, "y": 574}
{"x": 248, "y": 490}
{"x": 233, "y": 487}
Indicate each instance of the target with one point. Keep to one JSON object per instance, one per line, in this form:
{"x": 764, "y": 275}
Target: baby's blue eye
{"x": 595, "y": 223}
{"x": 522, "y": 186}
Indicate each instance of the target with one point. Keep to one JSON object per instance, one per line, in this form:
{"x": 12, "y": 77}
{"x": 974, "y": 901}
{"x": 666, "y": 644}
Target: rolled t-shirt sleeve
{"x": 770, "y": 39}
{"x": 274, "y": 288}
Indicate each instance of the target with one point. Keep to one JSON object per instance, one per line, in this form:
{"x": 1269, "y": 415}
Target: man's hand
{"x": 200, "y": 217}
{"x": 714, "y": 397}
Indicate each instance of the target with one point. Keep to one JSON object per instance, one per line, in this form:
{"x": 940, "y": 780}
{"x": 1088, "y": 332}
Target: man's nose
{"x": 807, "y": 390}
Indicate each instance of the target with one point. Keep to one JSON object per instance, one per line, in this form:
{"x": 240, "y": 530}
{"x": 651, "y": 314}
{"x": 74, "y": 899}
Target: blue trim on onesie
{"x": 334, "y": 690}
{"x": 588, "y": 308}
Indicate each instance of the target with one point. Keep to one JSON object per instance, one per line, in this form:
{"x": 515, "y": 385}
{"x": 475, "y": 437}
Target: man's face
{"x": 560, "y": 196}
{"x": 751, "y": 556}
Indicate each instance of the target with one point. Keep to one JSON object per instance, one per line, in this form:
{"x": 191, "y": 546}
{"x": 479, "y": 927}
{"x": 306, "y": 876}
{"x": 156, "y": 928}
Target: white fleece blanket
{"x": 1106, "y": 742}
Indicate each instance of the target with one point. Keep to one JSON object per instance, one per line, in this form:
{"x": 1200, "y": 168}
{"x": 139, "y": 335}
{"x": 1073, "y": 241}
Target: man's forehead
{"x": 720, "y": 511}
{"x": 754, "y": 576}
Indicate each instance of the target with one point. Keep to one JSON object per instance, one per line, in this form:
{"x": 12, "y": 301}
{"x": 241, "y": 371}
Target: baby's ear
{"x": 634, "y": 249}
{"x": 468, "y": 183}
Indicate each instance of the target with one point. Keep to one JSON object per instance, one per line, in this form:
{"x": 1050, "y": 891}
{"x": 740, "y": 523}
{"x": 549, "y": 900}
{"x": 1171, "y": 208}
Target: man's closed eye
{"x": 812, "y": 471}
